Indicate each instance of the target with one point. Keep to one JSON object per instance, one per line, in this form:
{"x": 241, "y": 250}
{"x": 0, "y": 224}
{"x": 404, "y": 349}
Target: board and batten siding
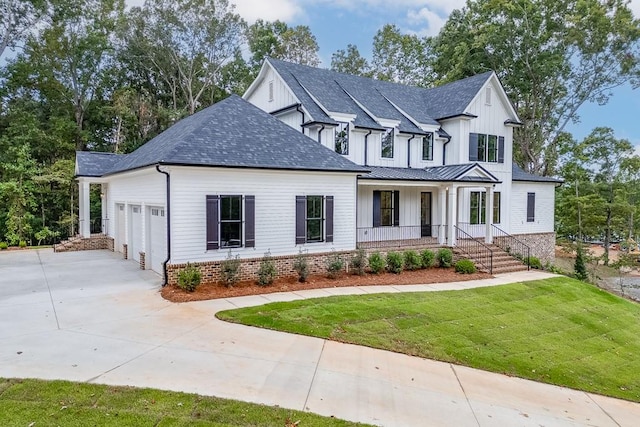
{"x": 142, "y": 188}
{"x": 544, "y": 207}
{"x": 282, "y": 96}
{"x": 275, "y": 193}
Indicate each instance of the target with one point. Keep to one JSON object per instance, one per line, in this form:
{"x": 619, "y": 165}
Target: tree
{"x": 350, "y": 61}
{"x": 19, "y": 17}
{"x": 401, "y": 58}
{"x": 552, "y": 57}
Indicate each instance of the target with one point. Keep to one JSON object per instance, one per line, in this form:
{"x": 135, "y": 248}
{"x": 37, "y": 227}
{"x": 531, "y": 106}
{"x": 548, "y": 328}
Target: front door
{"x": 425, "y": 214}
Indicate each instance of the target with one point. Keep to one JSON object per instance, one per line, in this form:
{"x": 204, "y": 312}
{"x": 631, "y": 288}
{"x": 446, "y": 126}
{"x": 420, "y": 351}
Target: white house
{"x": 327, "y": 162}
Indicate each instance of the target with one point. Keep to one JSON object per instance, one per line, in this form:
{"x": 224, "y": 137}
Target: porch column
{"x": 488, "y": 215}
{"x": 452, "y": 217}
{"x": 442, "y": 200}
{"x": 84, "y": 209}
{"x": 103, "y": 203}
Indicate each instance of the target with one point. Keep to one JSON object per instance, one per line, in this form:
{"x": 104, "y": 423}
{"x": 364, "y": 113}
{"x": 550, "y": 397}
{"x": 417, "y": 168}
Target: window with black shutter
{"x": 230, "y": 221}
{"x": 314, "y": 219}
{"x": 486, "y": 148}
{"x": 386, "y": 212}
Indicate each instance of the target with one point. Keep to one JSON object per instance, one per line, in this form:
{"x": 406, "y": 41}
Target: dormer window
{"x": 387, "y": 144}
{"x": 427, "y": 147}
{"x": 342, "y": 138}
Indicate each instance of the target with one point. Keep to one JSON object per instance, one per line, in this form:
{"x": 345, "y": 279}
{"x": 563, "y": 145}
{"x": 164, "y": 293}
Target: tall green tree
{"x": 350, "y": 61}
{"x": 17, "y": 19}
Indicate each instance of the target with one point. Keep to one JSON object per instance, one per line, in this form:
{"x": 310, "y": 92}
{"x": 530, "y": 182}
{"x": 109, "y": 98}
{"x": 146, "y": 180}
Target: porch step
{"x": 502, "y": 261}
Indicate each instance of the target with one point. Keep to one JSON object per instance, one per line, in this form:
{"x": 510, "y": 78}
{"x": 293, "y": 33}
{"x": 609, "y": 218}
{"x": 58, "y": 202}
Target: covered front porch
{"x": 89, "y": 224}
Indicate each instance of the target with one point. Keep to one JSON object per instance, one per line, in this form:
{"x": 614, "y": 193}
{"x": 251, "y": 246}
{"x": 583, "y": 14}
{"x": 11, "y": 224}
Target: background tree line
{"x": 93, "y": 75}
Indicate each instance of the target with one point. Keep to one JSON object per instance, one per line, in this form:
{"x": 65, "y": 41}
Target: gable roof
{"x": 371, "y": 99}
{"x": 448, "y": 173}
{"x": 231, "y": 133}
{"x": 95, "y": 164}
{"x": 520, "y": 175}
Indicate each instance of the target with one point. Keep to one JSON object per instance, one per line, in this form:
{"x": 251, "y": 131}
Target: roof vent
{"x": 487, "y": 100}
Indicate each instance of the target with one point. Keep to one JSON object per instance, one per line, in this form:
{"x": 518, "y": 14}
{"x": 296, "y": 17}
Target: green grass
{"x": 559, "y": 331}
{"x": 63, "y": 403}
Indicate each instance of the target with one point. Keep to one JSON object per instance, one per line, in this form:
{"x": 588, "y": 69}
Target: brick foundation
{"x": 542, "y": 245}
{"x": 143, "y": 261}
{"x": 95, "y": 242}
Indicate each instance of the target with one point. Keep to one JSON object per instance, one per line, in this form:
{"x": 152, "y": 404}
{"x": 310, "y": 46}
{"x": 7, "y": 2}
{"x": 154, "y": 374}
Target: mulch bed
{"x": 289, "y": 284}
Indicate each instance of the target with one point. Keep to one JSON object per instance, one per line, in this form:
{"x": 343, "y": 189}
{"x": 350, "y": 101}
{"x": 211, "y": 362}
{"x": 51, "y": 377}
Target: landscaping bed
{"x": 289, "y": 284}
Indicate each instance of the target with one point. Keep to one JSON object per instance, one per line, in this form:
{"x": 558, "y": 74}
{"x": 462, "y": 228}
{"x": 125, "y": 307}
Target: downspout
{"x": 168, "y": 210}
{"x": 409, "y": 151}
{"x": 303, "y": 117}
{"x": 444, "y": 151}
{"x": 366, "y": 148}
{"x": 319, "y": 133}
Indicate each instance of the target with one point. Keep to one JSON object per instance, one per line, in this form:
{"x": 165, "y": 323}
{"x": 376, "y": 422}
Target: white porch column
{"x": 488, "y": 215}
{"x": 442, "y": 200}
{"x": 84, "y": 209}
{"x": 105, "y": 212}
{"x": 452, "y": 215}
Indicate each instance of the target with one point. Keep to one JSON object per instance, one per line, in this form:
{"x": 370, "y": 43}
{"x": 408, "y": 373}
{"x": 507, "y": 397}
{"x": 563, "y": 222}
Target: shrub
{"x": 444, "y": 258}
{"x": 230, "y": 270}
{"x": 3, "y": 246}
{"x": 267, "y": 270}
{"x": 534, "y": 262}
{"x": 358, "y": 262}
{"x": 335, "y": 264}
{"x": 46, "y": 235}
{"x": 412, "y": 260}
{"x": 465, "y": 266}
{"x": 428, "y": 258}
{"x": 189, "y": 278}
{"x": 394, "y": 262}
{"x": 301, "y": 266}
{"x": 22, "y": 244}
{"x": 376, "y": 263}
{"x": 580, "y": 266}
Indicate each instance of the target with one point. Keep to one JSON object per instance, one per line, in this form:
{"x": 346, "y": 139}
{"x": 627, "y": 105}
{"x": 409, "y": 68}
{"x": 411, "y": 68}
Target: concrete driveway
{"x": 92, "y": 317}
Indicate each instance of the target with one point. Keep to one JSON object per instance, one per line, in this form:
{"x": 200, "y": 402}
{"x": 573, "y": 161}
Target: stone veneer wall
{"x": 95, "y": 242}
{"x": 543, "y": 245}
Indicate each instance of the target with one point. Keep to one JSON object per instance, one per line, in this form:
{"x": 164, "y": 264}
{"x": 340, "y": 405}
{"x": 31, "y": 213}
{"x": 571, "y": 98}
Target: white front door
{"x": 135, "y": 232}
{"x": 121, "y": 230}
{"x": 157, "y": 248}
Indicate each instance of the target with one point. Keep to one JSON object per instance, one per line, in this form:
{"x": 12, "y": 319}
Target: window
{"x": 227, "y": 226}
{"x": 342, "y": 139}
{"x": 314, "y": 219}
{"x": 271, "y": 91}
{"x": 387, "y": 144}
{"x": 427, "y": 147}
{"x": 531, "y": 207}
{"x": 477, "y": 214}
{"x": 386, "y": 211}
{"x": 496, "y": 207}
{"x": 486, "y": 148}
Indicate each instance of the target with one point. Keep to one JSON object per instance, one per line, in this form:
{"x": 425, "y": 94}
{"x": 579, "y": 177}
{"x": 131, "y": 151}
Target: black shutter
{"x": 212, "y": 222}
{"x": 376, "y": 208}
{"x": 396, "y": 208}
{"x": 329, "y": 218}
{"x": 531, "y": 207}
{"x": 501, "y": 149}
{"x": 473, "y": 147}
{"x": 250, "y": 221}
{"x": 301, "y": 219}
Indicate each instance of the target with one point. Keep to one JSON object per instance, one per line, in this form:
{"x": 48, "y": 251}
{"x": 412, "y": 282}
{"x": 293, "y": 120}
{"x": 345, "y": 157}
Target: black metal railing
{"x": 477, "y": 251}
{"x": 400, "y": 236}
{"x": 511, "y": 245}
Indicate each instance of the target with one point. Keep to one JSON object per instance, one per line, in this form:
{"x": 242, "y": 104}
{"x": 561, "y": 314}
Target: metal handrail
{"x": 397, "y": 236}
{"x": 512, "y": 245}
{"x": 482, "y": 253}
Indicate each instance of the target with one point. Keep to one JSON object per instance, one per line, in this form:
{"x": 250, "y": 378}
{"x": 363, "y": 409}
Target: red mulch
{"x": 289, "y": 284}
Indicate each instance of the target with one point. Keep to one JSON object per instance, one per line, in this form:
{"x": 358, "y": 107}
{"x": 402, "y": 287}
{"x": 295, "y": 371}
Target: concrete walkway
{"x": 89, "y": 316}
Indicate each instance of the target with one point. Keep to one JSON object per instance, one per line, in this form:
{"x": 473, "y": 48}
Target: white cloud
{"x": 283, "y": 10}
{"x": 424, "y": 16}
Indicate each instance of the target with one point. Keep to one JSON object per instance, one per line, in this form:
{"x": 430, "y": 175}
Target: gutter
{"x": 444, "y": 151}
{"x": 366, "y": 148}
{"x": 409, "y": 151}
{"x": 303, "y": 117}
{"x": 168, "y": 210}
{"x": 320, "y": 134}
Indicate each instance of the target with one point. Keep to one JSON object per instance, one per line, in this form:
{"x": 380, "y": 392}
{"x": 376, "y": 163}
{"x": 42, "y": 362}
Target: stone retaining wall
{"x": 95, "y": 242}
{"x": 543, "y": 245}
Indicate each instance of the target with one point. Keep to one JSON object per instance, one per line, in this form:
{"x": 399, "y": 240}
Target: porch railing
{"x": 398, "y": 237}
{"x": 474, "y": 249}
{"x": 511, "y": 245}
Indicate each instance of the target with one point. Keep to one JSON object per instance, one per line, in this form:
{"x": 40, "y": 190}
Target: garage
{"x": 135, "y": 232}
{"x": 120, "y": 228}
{"x": 157, "y": 240}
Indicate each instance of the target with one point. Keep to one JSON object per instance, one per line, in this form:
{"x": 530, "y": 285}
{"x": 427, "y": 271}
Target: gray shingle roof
{"x": 381, "y": 98}
{"x": 448, "y": 173}
{"x": 520, "y": 175}
{"x": 231, "y": 133}
{"x": 95, "y": 163}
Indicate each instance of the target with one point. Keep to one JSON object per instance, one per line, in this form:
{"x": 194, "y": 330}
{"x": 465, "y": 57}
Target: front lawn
{"x": 62, "y": 403}
{"x": 559, "y": 331}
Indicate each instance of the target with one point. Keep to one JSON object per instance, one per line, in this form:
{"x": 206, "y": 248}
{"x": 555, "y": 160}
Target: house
{"x": 316, "y": 162}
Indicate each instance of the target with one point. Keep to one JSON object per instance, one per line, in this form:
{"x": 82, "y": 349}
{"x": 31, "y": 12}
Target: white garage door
{"x": 135, "y": 233}
{"x": 157, "y": 249}
{"x": 120, "y": 227}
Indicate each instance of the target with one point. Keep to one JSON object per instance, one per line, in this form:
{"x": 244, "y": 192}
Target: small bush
{"x": 444, "y": 258}
{"x": 3, "y": 246}
{"x": 230, "y": 270}
{"x": 335, "y": 264}
{"x": 412, "y": 260}
{"x": 189, "y": 278}
{"x": 394, "y": 262}
{"x": 580, "y": 266}
{"x": 301, "y": 266}
{"x": 376, "y": 263}
{"x": 428, "y": 258}
{"x": 358, "y": 262}
{"x": 267, "y": 270}
{"x": 534, "y": 262}
{"x": 465, "y": 266}
{"x": 22, "y": 244}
